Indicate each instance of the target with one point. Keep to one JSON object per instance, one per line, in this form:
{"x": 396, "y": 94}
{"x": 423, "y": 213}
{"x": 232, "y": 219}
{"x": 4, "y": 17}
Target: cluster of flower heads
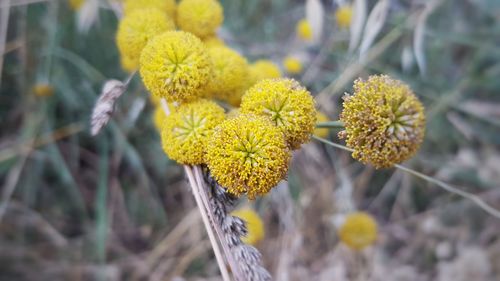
{"x": 181, "y": 60}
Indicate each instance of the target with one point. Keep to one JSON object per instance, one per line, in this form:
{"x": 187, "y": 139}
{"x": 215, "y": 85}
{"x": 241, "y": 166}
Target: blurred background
{"x": 114, "y": 207}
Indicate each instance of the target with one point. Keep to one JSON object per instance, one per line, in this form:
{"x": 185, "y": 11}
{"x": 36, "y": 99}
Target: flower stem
{"x": 474, "y": 198}
{"x": 330, "y": 124}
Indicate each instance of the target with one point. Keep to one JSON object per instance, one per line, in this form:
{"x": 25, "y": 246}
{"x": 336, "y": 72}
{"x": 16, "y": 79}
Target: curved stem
{"x": 474, "y": 198}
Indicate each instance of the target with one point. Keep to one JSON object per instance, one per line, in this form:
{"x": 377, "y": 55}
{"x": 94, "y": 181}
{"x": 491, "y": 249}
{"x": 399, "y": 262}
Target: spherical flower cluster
{"x": 200, "y": 17}
{"x": 263, "y": 69}
{"x": 166, "y": 6}
{"x": 384, "y": 121}
{"x": 230, "y": 70}
{"x": 289, "y": 105}
{"x": 304, "y": 30}
{"x": 248, "y": 155}
{"x": 292, "y": 65}
{"x": 134, "y": 32}
{"x": 343, "y": 16}
{"x": 321, "y": 132}
{"x": 213, "y": 41}
{"x": 43, "y": 90}
{"x": 254, "y": 224}
{"x": 175, "y": 66}
{"x": 186, "y": 132}
{"x": 358, "y": 231}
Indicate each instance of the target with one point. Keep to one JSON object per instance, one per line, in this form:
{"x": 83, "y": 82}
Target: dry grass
{"x": 115, "y": 208}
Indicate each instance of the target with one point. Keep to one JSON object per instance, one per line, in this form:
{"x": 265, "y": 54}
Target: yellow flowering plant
{"x": 200, "y": 17}
{"x": 358, "y": 231}
{"x": 166, "y": 6}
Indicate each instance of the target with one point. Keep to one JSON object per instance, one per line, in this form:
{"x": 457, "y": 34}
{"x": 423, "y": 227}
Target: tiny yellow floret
{"x": 304, "y": 30}
{"x": 43, "y": 90}
{"x": 289, "y": 105}
{"x": 230, "y": 71}
{"x": 343, "y": 16}
{"x": 166, "y": 6}
{"x": 186, "y": 132}
{"x": 254, "y": 224}
{"x": 292, "y": 65}
{"x": 200, "y": 17}
{"x": 358, "y": 231}
{"x": 175, "y": 65}
{"x": 321, "y": 132}
{"x": 247, "y": 154}
{"x": 134, "y": 32}
{"x": 384, "y": 121}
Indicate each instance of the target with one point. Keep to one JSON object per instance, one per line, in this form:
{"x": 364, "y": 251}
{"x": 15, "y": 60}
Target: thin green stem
{"x": 474, "y": 198}
{"x": 330, "y": 124}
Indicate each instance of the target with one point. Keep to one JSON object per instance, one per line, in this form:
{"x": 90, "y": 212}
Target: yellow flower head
{"x": 200, "y": 17}
{"x": 289, "y": 105}
{"x": 186, "y": 131}
{"x": 230, "y": 70}
{"x": 321, "y": 132}
{"x": 159, "y": 118}
{"x": 213, "y": 41}
{"x": 175, "y": 65}
{"x": 128, "y": 64}
{"x": 255, "y": 226}
{"x": 166, "y": 6}
{"x": 292, "y": 65}
{"x": 134, "y": 32}
{"x": 43, "y": 90}
{"x": 76, "y": 4}
{"x": 263, "y": 69}
{"x": 248, "y": 154}
{"x": 343, "y": 16}
{"x": 304, "y": 30}
{"x": 384, "y": 121}
{"x": 358, "y": 231}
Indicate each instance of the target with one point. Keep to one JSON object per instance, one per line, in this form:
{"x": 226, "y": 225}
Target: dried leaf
{"x": 88, "y": 15}
{"x": 374, "y": 24}
{"x": 359, "y": 17}
{"x": 419, "y": 35}
{"x": 315, "y": 14}
{"x": 103, "y": 108}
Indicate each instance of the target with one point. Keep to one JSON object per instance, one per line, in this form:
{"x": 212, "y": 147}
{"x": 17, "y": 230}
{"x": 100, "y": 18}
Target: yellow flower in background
{"x": 289, "y": 105}
{"x": 186, "y": 132}
{"x": 128, "y": 64}
{"x": 263, "y": 69}
{"x": 43, "y": 90}
{"x": 200, "y": 17}
{"x": 384, "y": 121}
{"x": 159, "y": 118}
{"x": 213, "y": 41}
{"x": 255, "y": 226}
{"x": 175, "y": 65}
{"x": 247, "y": 154}
{"x": 343, "y": 16}
{"x": 230, "y": 71}
{"x": 134, "y": 32}
{"x": 304, "y": 30}
{"x": 292, "y": 65}
{"x": 76, "y": 4}
{"x": 166, "y": 6}
{"x": 358, "y": 231}
{"x": 321, "y": 132}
